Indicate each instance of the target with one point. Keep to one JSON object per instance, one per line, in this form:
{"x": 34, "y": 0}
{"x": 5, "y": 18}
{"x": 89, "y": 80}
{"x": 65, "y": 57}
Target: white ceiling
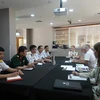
{"x": 86, "y": 10}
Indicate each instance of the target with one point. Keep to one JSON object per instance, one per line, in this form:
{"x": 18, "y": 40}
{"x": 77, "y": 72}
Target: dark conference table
{"x": 44, "y": 88}
{"x": 38, "y": 84}
{"x": 25, "y": 87}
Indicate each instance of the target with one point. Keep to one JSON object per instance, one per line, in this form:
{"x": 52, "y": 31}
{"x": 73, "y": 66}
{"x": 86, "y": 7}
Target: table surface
{"x": 29, "y": 79}
{"x": 41, "y": 81}
{"x": 45, "y": 91}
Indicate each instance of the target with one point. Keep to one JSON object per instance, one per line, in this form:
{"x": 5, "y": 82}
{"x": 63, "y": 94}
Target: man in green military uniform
{"x": 19, "y": 60}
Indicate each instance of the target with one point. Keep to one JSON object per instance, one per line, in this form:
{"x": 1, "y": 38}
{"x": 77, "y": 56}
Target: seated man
{"x": 72, "y": 53}
{"x": 20, "y": 61}
{"x": 32, "y": 56}
{"x": 41, "y": 54}
{"x": 89, "y": 58}
{"x": 46, "y": 52}
{"x": 4, "y": 67}
{"x": 90, "y": 50}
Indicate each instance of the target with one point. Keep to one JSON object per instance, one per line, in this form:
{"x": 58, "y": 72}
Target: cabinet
{"x": 61, "y": 37}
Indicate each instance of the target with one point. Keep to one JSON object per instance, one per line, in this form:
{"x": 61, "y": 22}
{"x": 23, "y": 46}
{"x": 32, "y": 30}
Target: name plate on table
{"x": 65, "y": 66}
{"x": 68, "y": 67}
{"x": 69, "y": 61}
{"x": 28, "y": 69}
{"x": 16, "y": 78}
{"x": 73, "y": 77}
{"x": 40, "y": 64}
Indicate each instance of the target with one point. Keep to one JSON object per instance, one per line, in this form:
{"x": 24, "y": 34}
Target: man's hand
{"x": 35, "y": 63}
{"x": 13, "y": 74}
{"x": 77, "y": 57}
{"x": 75, "y": 60}
{"x": 20, "y": 72}
{"x": 43, "y": 62}
{"x": 47, "y": 60}
{"x": 24, "y": 67}
{"x": 75, "y": 73}
{"x": 31, "y": 65}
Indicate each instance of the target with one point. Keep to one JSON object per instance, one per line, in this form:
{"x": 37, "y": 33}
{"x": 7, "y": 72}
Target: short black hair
{"x": 88, "y": 45}
{"x": 40, "y": 46}
{"x": 46, "y": 46}
{"x": 2, "y": 49}
{"x": 22, "y": 49}
{"x": 32, "y": 47}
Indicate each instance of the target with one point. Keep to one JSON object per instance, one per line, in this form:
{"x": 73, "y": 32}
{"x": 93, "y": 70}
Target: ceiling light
{"x": 51, "y": 23}
{"x": 32, "y": 15}
{"x": 71, "y": 10}
{"x": 79, "y": 20}
{"x": 64, "y": 0}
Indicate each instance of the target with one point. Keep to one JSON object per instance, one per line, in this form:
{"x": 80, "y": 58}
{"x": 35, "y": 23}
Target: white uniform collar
{"x": 39, "y": 52}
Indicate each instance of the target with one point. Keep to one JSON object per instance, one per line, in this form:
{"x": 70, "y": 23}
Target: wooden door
{"x": 19, "y": 42}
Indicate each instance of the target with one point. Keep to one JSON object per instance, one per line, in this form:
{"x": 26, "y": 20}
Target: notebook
{"x": 16, "y": 78}
{"x": 68, "y": 85}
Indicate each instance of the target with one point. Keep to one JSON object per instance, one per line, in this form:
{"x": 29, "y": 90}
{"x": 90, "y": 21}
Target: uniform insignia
{"x": 28, "y": 53}
{"x": 23, "y": 60}
{"x": 1, "y": 61}
{"x": 17, "y": 56}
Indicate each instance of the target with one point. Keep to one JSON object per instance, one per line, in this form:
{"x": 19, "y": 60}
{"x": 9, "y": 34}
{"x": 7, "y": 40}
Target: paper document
{"x": 9, "y": 79}
{"x": 79, "y": 65}
{"x": 67, "y": 61}
{"x": 73, "y": 77}
{"x": 82, "y": 68}
{"x": 71, "y": 69}
{"x": 28, "y": 69}
{"x": 40, "y": 64}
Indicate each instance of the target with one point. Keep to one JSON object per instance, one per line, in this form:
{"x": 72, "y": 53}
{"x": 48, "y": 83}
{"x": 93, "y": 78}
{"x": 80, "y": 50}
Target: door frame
{"x": 17, "y": 41}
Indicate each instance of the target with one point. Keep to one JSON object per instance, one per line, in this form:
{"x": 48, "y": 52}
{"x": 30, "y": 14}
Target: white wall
{"x": 43, "y": 36}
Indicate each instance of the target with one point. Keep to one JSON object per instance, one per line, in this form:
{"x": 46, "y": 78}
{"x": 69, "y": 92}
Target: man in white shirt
{"x": 5, "y": 67}
{"x": 89, "y": 58}
{"x": 46, "y": 52}
{"x": 90, "y": 50}
{"x": 32, "y": 56}
{"x": 41, "y": 54}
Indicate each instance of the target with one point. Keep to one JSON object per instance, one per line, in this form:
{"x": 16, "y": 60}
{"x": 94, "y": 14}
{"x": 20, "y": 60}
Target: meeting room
{"x": 50, "y": 49}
